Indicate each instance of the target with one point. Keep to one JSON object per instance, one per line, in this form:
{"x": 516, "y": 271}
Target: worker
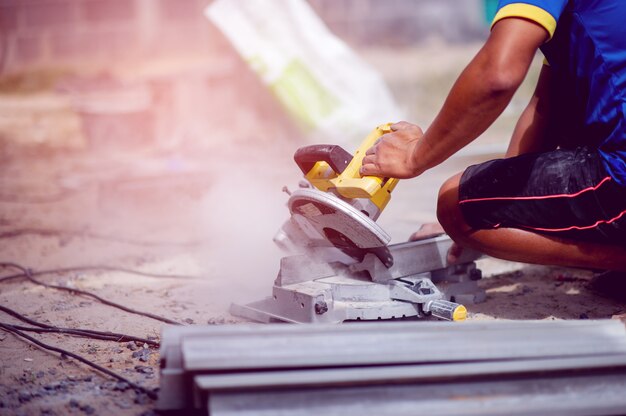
{"x": 559, "y": 195}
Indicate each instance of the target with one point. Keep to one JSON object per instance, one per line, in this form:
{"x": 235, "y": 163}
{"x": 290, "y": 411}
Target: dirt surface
{"x": 180, "y": 223}
{"x": 206, "y": 214}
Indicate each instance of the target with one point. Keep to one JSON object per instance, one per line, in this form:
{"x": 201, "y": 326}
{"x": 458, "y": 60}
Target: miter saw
{"x": 341, "y": 266}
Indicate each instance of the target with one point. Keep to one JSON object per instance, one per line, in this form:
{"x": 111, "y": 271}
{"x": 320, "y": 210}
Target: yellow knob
{"x": 459, "y": 314}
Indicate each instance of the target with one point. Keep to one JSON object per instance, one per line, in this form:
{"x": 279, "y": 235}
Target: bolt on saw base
{"x": 341, "y": 266}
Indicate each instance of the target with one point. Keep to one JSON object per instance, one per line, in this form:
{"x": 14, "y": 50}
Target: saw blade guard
{"x": 323, "y": 219}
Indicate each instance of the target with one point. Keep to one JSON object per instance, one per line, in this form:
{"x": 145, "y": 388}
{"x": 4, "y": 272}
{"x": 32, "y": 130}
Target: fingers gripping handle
{"x": 331, "y": 167}
{"x": 351, "y": 185}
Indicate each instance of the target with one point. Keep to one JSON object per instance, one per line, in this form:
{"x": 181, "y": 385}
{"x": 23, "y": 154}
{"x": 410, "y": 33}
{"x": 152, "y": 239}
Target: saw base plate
{"x": 309, "y": 291}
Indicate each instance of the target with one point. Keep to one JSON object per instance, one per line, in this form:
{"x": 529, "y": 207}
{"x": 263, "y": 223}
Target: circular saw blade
{"x": 339, "y": 223}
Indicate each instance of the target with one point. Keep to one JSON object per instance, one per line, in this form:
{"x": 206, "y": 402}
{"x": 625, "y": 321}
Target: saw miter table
{"x": 341, "y": 266}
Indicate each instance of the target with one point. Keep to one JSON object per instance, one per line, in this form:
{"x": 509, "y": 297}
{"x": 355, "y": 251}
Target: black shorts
{"x": 564, "y": 193}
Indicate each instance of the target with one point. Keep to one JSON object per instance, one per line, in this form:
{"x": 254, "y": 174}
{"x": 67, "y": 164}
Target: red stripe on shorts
{"x": 576, "y": 227}
{"x": 521, "y": 198}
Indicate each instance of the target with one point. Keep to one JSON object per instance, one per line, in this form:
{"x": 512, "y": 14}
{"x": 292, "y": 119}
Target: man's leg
{"x": 522, "y": 245}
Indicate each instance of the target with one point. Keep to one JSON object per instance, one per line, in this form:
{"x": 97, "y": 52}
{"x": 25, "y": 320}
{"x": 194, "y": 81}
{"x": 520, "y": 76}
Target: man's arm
{"x": 478, "y": 97}
{"x": 530, "y": 132}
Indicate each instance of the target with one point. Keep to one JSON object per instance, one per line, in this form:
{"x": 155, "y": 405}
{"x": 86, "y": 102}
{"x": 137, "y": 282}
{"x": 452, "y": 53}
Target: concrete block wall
{"x": 52, "y": 32}
{"x": 191, "y": 105}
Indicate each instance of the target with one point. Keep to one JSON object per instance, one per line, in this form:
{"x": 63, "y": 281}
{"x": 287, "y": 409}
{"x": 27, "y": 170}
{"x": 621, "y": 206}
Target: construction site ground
{"x": 205, "y": 214}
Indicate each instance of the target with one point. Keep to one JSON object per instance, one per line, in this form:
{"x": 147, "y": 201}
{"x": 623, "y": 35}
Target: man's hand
{"x": 393, "y": 155}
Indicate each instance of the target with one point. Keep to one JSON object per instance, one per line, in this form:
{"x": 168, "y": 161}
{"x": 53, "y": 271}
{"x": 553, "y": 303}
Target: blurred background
{"x": 171, "y": 79}
{"x": 175, "y": 121}
{"x": 149, "y": 123}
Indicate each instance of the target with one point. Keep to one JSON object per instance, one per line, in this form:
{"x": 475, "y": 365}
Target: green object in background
{"x": 490, "y": 10}
{"x": 303, "y": 95}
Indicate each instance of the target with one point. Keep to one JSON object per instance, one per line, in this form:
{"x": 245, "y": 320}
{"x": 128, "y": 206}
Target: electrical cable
{"x": 99, "y": 335}
{"x": 98, "y": 267}
{"x": 29, "y": 276}
{"x": 135, "y": 386}
{"x": 95, "y": 236}
{"x": 86, "y": 333}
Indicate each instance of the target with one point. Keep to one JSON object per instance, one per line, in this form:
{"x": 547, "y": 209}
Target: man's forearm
{"x": 471, "y": 107}
{"x": 481, "y": 93}
{"x": 478, "y": 97}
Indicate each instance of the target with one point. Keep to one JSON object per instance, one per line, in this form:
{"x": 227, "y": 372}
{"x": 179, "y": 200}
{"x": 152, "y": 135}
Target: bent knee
{"x": 448, "y": 211}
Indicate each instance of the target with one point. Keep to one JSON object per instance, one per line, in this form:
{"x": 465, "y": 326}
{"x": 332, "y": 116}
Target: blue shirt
{"x": 587, "y": 55}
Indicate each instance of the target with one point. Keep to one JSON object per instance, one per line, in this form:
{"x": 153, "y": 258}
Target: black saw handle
{"x": 306, "y": 157}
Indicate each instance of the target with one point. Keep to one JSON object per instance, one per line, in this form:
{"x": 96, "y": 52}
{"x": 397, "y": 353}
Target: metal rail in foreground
{"x": 396, "y": 368}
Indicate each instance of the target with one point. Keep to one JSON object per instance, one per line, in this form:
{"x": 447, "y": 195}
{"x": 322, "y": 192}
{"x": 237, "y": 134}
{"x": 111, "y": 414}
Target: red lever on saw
{"x": 337, "y": 158}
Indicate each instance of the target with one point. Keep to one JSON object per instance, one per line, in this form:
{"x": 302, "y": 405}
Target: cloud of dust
{"x": 241, "y": 215}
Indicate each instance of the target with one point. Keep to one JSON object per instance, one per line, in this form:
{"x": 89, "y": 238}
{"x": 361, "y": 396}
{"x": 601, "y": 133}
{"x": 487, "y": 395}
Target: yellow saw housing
{"x": 349, "y": 183}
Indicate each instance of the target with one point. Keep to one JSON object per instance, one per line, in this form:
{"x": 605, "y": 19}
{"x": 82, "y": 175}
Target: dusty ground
{"x": 206, "y": 214}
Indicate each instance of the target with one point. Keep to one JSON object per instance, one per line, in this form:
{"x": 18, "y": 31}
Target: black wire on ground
{"x": 68, "y": 233}
{"x": 135, "y": 386}
{"x": 29, "y": 276}
{"x": 86, "y": 333}
{"x": 97, "y": 267}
